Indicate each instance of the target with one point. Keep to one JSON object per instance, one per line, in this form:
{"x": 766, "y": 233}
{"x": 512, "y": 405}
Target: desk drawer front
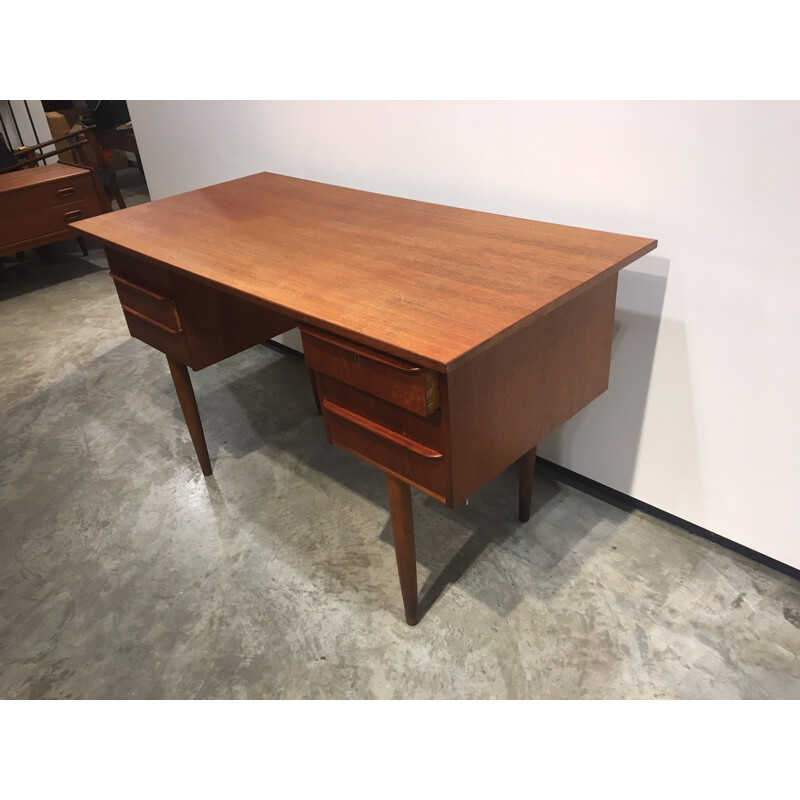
{"x": 398, "y": 441}
{"x": 52, "y": 220}
{"x": 153, "y": 318}
{"x": 400, "y": 382}
{"x": 47, "y": 195}
{"x": 171, "y": 343}
{"x": 153, "y": 307}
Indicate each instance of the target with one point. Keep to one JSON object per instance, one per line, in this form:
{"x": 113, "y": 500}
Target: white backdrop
{"x": 701, "y": 419}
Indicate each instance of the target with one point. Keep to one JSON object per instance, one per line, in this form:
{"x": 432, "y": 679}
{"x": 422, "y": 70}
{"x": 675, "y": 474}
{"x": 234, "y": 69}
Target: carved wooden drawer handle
{"x": 150, "y": 320}
{"x": 66, "y": 191}
{"x": 379, "y": 430}
{"x": 358, "y": 352}
{"x": 135, "y": 286}
{"x": 71, "y": 216}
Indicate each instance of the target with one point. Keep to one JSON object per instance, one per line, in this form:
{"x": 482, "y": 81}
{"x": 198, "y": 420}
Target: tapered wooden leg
{"x": 82, "y": 243}
{"x": 404, "y": 549}
{"x": 21, "y": 256}
{"x": 527, "y": 466}
{"x": 315, "y": 389}
{"x": 183, "y": 386}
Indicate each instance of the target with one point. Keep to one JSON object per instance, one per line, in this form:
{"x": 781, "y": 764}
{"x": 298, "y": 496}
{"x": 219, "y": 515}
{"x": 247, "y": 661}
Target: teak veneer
{"x": 443, "y": 343}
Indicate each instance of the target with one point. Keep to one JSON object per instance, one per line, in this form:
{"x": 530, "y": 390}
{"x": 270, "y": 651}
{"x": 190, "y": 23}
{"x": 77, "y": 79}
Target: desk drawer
{"x": 153, "y": 318}
{"x": 152, "y": 306}
{"x": 398, "y": 441}
{"x": 169, "y": 342}
{"x": 48, "y": 194}
{"x": 400, "y": 382}
{"x": 52, "y": 220}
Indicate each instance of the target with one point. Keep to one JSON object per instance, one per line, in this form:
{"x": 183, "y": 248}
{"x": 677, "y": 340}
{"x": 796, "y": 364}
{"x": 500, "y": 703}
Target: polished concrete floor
{"x": 124, "y": 573}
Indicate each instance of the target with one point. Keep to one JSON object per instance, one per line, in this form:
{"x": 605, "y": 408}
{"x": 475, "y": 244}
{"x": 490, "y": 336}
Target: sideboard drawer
{"x": 400, "y": 382}
{"x": 52, "y": 220}
{"x": 48, "y": 194}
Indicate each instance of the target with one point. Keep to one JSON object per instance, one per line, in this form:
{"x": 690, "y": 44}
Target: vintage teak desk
{"x": 444, "y": 344}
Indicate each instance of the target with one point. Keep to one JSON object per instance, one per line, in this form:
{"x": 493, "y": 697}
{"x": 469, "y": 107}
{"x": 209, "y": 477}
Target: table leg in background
{"x": 527, "y": 467}
{"x": 315, "y": 389}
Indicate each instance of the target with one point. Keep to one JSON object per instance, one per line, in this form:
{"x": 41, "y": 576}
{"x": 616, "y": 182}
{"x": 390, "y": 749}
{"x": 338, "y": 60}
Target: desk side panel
{"x": 509, "y": 397}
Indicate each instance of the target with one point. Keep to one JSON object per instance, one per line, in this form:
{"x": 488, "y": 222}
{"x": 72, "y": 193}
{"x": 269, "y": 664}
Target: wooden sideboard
{"x": 37, "y": 204}
{"x": 443, "y": 343}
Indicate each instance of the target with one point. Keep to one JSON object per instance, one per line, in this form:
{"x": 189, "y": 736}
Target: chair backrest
{"x": 6, "y": 156}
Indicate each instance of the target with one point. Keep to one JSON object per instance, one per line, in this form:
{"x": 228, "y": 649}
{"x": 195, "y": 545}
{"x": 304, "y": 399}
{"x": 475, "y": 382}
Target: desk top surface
{"x": 426, "y": 282}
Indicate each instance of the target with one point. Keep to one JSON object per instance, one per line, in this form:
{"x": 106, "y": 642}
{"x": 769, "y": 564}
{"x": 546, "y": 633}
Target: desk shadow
{"x": 103, "y": 425}
{"x": 602, "y": 441}
{"x": 481, "y": 547}
{"x": 46, "y": 266}
{"x": 484, "y": 550}
{"x": 248, "y": 400}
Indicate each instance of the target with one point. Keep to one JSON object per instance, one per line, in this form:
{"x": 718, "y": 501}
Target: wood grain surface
{"x": 430, "y": 283}
{"x": 36, "y": 175}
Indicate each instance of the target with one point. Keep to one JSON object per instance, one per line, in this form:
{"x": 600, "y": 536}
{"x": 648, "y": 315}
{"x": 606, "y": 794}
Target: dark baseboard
{"x": 626, "y": 502}
{"x": 283, "y": 349}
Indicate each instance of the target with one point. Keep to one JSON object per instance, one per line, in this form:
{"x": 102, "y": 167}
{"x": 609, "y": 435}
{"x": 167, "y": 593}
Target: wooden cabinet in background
{"x": 37, "y": 204}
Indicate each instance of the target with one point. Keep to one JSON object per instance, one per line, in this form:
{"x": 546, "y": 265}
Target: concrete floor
{"x": 126, "y": 574}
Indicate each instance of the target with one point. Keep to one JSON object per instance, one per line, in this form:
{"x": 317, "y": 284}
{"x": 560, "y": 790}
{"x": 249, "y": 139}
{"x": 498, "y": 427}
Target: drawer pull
{"x": 360, "y": 352}
{"x": 67, "y": 191}
{"x": 71, "y": 216}
{"x": 159, "y": 297}
{"x": 379, "y": 430}
{"x": 149, "y": 320}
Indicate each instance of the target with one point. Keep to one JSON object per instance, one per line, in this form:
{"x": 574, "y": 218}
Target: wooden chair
{"x": 82, "y": 143}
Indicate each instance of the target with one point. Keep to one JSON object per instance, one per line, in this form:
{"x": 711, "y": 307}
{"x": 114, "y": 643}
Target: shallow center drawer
{"x": 400, "y": 382}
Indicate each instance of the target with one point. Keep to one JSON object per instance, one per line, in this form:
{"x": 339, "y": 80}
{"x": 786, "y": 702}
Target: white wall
{"x": 702, "y": 418}
{"x": 27, "y": 134}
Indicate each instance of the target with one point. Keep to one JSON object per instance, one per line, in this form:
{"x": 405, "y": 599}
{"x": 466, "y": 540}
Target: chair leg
{"x": 118, "y": 197}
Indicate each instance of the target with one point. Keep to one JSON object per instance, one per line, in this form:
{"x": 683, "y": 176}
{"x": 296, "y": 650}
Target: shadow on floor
{"x": 277, "y": 401}
{"x": 45, "y": 266}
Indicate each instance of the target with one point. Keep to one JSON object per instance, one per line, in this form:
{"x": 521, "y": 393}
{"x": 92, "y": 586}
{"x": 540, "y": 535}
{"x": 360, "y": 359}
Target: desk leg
{"x": 315, "y": 389}
{"x": 527, "y": 466}
{"x": 404, "y": 550}
{"x": 183, "y": 386}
